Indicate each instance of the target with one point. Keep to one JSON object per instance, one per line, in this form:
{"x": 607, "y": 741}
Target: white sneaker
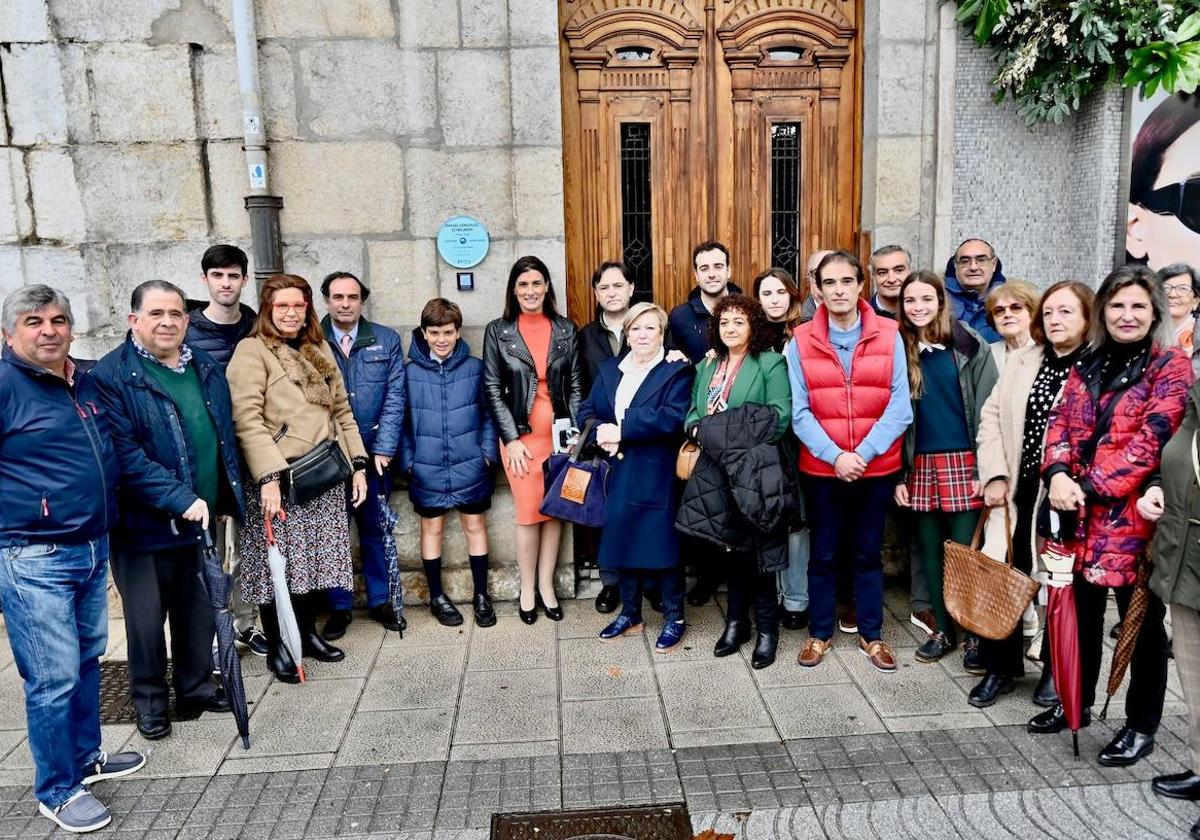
{"x": 1030, "y": 622}
{"x": 79, "y": 814}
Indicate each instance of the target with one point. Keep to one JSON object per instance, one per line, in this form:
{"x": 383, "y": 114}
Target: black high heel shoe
{"x": 552, "y": 613}
{"x": 528, "y": 616}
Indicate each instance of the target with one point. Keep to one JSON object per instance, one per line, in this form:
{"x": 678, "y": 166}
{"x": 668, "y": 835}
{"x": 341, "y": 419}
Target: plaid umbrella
{"x": 217, "y": 583}
{"x": 1131, "y": 626}
{"x": 289, "y": 631}
{"x": 387, "y": 523}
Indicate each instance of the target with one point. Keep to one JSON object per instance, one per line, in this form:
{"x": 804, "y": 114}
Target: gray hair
{"x": 1161, "y": 333}
{"x": 135, "y": 299}
{"x": 887, "y": 251}
{"x": 1177, "y": 269}
{"x": 32, "y": 299}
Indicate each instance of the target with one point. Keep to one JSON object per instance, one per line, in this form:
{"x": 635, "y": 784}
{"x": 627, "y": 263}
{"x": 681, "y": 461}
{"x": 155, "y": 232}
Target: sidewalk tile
{"x": 918, "y": 817}
{"x": 423, "y": 629}
{"x": 911, "y": 689}
{"x": 599, "y": 725}
{"x": 300, "y": 719}
{"x": 593, "y": 670}
{"x": 414, "y": 678}
{"x": 512, "y": 645}
{"x": 507, "y": 707}
{"x": 710, "y": 694}
{"x": 234, "y": 765}
{"x": 194, "y": 747}
{"x": 395, "y": 736}
{"x": 821, "y": 710}
{"x": 361, "y": 645}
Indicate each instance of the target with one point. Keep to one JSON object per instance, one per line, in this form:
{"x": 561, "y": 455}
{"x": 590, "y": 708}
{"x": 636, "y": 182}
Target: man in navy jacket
{"x": 688, "y": 323}
{"x": 372, "y": 363}
{"x": 971, "y": 275}
{"x": 58, "y": 480}
{"x": 172, "y": 427}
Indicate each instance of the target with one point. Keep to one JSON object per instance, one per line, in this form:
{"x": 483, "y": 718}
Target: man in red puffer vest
{"x": 850, "y": 408}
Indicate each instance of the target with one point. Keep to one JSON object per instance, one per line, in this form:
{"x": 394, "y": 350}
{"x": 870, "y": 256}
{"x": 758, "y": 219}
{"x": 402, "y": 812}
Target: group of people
{"x": 764, "y": 439}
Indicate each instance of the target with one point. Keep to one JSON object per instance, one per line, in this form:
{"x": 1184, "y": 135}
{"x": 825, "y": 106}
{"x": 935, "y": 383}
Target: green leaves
{"x": 986, "y": 14}
{"x": 1053, "y": 54}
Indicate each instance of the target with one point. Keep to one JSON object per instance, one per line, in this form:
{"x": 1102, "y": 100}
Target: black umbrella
{"x": 217, "y": 583}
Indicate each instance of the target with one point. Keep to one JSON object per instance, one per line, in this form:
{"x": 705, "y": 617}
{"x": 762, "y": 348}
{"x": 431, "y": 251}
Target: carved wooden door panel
{"x": 685, "y": 120}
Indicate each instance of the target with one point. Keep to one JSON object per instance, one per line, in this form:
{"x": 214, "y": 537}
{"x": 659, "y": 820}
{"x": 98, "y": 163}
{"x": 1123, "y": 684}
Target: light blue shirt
{"x": 896, "y": 418}
{"x": 337, "y": 334}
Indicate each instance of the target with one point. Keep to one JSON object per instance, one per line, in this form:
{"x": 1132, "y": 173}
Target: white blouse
{"x": 632, "y": 377}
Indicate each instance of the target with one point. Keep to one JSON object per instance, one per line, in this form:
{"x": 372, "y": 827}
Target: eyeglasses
{"x": 283, "y": 308}
{"x": 1014, "y": 308}
{"x": 1181, "y": 200}
{"x": 1178, "y": 289}
{"x": 965, "y": 260}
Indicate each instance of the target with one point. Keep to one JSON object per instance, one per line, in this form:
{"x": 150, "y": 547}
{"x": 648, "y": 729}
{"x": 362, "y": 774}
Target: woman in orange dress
{"x": 532, "y": 377}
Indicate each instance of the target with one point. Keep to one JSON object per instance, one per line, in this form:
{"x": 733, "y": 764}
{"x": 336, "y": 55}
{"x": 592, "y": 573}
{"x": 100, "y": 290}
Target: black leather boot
{"x": 764, "y": 649}
{"x": 1045, "y": 695}
{"x": 313, "y": 643}
{"x": 279, "y": 661}
{"x": 737, "y": 633}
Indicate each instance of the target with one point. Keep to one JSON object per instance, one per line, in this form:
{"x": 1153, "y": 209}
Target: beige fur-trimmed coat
{"x": 273, "y": 387}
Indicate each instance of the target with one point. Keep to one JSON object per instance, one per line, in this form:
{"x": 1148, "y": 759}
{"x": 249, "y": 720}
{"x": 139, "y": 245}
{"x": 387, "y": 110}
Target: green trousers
{"x": 932, "y": 531}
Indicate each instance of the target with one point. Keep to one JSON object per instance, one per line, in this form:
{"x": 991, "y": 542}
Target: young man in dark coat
{"x": 688, "y": 321}
{"x": 171, "y": 419}
{"x": 216, "y": 326}
{"x": 371, "y": 359}
{"x": 449, "y": 451}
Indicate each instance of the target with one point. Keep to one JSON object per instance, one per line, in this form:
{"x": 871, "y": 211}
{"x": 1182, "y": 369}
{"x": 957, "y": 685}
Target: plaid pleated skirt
{"x": 942, "y": 481}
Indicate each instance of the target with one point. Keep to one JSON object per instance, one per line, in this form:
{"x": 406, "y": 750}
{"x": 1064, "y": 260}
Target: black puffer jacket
{"x": 203, "y": 334}
{"x": 743, "y": 494}
{"x": 509, "y": 375}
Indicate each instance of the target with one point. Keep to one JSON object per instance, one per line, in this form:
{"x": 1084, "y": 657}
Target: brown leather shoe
{"x": 879, "y": 653}
{"x": 813, "y": 652}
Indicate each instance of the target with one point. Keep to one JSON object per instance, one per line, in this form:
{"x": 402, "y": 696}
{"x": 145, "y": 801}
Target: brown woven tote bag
{"x": 985, "y": 596}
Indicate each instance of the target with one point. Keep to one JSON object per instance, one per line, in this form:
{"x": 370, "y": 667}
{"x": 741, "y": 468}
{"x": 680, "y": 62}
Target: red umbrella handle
{"x": 270, "y": 530}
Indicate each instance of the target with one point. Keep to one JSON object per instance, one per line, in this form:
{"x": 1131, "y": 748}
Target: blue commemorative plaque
{"x": 463, "y": 242}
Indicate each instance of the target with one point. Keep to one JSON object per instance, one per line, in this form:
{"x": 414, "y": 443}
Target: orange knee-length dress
{"x": 529, "y": 491}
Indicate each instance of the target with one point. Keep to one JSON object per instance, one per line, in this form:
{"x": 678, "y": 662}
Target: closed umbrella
{"x": 289, "y": 631}
{"x": 387, "y": 524}
{"x": 1062, "y": 625}
{"x": 217, "y": 583}
{"x": 1131, "y": 626}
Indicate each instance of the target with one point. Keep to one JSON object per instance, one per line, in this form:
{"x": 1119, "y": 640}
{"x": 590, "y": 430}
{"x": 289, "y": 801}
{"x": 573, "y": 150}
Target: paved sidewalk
{"x": 424, "y": 738}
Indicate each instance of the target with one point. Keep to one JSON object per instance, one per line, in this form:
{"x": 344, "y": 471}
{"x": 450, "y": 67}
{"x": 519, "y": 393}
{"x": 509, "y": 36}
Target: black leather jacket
{"x": 510, "y": 378}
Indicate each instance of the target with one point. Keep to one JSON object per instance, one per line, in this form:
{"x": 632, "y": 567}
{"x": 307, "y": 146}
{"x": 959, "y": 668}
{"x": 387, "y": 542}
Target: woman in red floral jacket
{"x": 1120, "y": 406}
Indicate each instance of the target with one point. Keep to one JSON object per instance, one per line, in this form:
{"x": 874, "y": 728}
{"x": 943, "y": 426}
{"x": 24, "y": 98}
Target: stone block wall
{"x": 121, "y": 159}
{"x": 120, "y": 144}
{"x": 1046, "y": 197}
{"x": 900, "y": 86}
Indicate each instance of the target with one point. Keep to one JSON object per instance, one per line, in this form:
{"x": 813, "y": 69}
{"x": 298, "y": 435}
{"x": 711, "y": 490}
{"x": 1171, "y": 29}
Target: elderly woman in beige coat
{"x": 288, "y": 397}
{"x": 1011, "y": 440}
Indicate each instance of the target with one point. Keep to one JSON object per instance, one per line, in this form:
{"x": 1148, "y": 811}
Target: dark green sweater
{"x": 185, "y": 391}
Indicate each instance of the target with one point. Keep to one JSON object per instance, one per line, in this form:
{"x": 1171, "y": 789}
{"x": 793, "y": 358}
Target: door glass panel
{"x": 637, "y": 248}
{"x": 785, "y": 196}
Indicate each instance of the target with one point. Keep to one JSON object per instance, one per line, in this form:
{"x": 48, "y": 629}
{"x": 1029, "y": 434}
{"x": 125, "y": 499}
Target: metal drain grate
{"x": 116, "y": 706}
{"x": 638, "y": 822}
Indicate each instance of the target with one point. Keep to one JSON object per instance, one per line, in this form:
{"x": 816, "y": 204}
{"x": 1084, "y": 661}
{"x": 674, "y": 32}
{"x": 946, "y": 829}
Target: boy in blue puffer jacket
{"x": 449, "y": 450}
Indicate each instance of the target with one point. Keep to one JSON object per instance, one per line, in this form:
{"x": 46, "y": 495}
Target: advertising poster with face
{"x": 1163, "y": 223}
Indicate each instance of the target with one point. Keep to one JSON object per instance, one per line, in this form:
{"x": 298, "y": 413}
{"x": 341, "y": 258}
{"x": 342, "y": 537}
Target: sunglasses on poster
{"x": 1181, "y": 200}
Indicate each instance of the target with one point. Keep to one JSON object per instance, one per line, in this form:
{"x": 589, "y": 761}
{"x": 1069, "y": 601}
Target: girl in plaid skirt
{"x": 951, "y": 372}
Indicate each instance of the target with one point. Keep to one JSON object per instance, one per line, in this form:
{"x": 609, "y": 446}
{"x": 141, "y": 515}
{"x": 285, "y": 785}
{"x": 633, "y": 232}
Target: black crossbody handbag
{"x": 311, "y": 474}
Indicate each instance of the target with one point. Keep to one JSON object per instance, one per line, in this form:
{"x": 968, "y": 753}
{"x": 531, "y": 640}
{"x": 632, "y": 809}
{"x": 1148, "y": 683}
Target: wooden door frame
{"x": 696, "y": 61}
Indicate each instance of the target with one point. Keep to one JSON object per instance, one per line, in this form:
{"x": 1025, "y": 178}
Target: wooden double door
{"x": 687, "y": 120}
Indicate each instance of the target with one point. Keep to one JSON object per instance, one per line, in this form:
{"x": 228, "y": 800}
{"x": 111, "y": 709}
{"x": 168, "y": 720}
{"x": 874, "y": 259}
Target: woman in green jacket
{"x": 1172, "y": 499}
{"x": 744, "y": 369}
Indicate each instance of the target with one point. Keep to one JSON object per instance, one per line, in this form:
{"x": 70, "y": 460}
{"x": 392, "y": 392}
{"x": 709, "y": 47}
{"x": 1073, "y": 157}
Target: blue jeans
{"x": 853, "y": 513}
{"x": 56, "y": 610}
{"x": 633, "y": 581}
{"x": 370, "y": 543}
{"x": 793, "y": 581}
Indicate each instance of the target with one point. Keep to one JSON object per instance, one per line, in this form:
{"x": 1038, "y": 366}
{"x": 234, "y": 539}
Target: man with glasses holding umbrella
{"x": 172, "y": 427}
